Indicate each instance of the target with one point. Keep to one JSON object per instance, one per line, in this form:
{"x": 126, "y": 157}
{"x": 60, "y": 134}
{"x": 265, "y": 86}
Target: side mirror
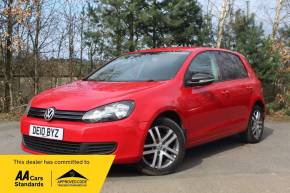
{"x": 199, "y": 79}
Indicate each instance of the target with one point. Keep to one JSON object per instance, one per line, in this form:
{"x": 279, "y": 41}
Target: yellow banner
{"x": 53, "y": 173}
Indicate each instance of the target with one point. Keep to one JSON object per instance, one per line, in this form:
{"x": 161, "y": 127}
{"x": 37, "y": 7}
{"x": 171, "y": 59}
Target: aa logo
{"x": 72, "y": 178}
{"x": 25, "y": 179}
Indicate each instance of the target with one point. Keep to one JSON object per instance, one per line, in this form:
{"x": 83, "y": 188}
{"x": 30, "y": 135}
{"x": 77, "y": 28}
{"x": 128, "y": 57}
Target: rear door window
{"x": 230, "y": 66}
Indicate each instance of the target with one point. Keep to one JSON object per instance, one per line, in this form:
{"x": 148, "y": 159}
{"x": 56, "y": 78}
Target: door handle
{"x": 249, "y": 88}
{"x": 225, "y": 92}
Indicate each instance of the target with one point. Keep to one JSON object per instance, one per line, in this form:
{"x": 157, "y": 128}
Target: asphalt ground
{"x": 224, "y": 166}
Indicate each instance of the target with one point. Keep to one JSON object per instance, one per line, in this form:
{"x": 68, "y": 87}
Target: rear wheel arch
{"x": 259, "y": 103}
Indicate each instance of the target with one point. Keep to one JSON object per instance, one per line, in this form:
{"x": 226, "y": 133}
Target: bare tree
{"x": 36, "y": 44}
{"x": 277, "y": 19}
{"x": 13, "y": 13}
{"x": 92, "y": 49}
{"x": 221, "y": 21}
{"x": 40, "y": 33}
{"x": 71, "y": 44}
{"x": 81, "y": 32}
{"x": 70, "y": 20}
{"x": 8, "y": 58}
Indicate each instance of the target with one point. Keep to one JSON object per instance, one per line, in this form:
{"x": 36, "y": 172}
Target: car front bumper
{"x": 127, "y": 134}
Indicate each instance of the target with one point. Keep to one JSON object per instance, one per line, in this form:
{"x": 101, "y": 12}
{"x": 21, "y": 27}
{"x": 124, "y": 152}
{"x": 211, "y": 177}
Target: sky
{"x": 263, "y": 9}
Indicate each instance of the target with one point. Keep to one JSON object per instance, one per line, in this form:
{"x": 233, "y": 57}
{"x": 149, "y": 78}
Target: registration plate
{"x": 46, "y": 132}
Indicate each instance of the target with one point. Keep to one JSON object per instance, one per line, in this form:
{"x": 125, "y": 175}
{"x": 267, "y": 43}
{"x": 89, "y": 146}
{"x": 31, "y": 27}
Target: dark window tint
{"x": 204, "y": 63}
{"x": 142, "y": 67}
{"x": 230, "y": 66}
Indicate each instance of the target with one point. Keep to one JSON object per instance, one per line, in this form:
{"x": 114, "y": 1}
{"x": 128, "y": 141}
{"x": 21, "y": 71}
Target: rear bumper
{"x": 127, "y": 134}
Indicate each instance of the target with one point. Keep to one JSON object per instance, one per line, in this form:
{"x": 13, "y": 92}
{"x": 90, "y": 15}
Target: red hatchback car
{"x": 148, "y": 107}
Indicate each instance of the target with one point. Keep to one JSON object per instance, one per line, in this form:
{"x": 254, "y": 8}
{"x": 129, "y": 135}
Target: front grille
{"x": 63, "y": 147}
{"x": 59, "y": 114}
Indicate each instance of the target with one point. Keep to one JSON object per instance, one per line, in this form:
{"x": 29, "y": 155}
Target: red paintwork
{"x": 205, "y": 111}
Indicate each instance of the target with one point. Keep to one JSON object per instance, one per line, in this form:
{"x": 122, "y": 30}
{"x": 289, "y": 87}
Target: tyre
{"x": 164, "y": 148}
{"x": 255, "y": 129}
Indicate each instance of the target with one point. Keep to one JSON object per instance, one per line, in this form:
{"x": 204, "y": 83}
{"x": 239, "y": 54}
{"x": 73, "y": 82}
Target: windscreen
{"x": 155, "y": 66}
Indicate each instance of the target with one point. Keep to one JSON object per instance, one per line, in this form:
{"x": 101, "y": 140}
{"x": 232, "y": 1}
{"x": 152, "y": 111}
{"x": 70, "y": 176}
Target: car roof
{"x": 188, "y": 49}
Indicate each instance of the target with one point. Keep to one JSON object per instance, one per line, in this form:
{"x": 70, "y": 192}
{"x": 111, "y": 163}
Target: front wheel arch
{"x": 170, "y": 114}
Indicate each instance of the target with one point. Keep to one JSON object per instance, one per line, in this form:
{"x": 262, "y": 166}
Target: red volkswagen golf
{"x": 148, "y": 107}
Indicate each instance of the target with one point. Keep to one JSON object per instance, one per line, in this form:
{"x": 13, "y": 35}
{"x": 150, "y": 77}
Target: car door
{"x": 236, "y": 88}
{"x": 204, "y": 105}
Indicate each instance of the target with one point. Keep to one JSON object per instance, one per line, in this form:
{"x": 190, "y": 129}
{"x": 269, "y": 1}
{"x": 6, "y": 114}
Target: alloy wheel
{"x": 161, "y": 147}
{"x": 257, "y": 124}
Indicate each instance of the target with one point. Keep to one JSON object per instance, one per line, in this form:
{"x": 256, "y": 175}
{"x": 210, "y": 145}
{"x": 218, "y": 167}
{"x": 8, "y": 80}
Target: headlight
{"x": 27, "y": 108}
{"x": 110, "y": 112}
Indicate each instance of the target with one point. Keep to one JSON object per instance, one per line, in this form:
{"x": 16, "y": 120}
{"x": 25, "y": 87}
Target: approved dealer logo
{"x": 72, "y": 178}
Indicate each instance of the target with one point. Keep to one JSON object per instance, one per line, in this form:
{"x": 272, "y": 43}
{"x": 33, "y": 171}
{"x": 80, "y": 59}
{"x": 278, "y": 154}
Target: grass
{"x": 9, "y": 117}
{"x": 12, "y": 116}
